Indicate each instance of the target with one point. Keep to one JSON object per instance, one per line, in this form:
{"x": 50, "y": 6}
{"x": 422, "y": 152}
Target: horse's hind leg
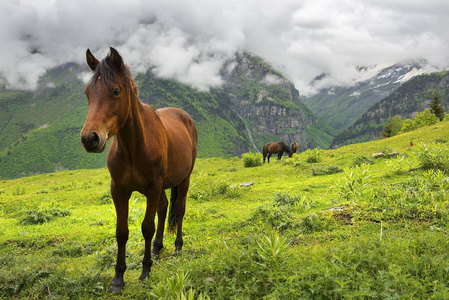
{"x": 161, "y": 215}
{"x": 177, "y": 211}
{"x": 268, "y": 157}
{"x": 280, "y": 155}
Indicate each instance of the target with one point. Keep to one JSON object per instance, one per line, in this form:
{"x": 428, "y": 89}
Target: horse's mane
{"x": 105, "y": 69}
{"x": 286, "y": 148}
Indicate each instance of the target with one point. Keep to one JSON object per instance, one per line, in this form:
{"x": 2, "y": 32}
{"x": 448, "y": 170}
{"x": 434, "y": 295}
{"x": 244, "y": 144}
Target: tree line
{"x": 396, "y": 125}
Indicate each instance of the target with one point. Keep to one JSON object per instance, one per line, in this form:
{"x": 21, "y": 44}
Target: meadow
{"x": 327, "y": 224}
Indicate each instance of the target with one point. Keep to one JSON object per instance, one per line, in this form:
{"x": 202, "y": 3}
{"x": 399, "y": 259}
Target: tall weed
{"x": 353, "y": 183}
{"x": 175, "y": 288}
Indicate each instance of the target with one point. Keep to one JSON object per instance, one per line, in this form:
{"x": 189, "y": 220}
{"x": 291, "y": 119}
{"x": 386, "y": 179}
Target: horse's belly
{"x": 175, "y": 177}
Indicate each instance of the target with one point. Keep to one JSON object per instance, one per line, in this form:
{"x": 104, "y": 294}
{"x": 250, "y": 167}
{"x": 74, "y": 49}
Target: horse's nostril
{"x": 94, "y": 139}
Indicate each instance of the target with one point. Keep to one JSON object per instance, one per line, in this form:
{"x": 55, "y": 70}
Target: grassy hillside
{"x": 324, "y": 224}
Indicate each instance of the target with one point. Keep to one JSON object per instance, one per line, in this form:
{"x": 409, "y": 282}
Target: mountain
{"x": 39, "y": 130}
{"x": 406, "y": 101}
{"x": 341, "y": 106}
{"x": 270, "y": 107}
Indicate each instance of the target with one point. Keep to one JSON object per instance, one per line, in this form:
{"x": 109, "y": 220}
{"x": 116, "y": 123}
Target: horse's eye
{"x": 116, "y": 92}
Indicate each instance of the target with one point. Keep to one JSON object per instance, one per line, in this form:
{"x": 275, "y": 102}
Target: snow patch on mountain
{"x": 412, "y": 73}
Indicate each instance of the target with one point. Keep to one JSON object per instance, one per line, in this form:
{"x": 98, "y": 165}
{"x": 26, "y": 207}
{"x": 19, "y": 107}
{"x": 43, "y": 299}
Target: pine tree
{"x": 436, "y": 108}
{"x": 388, "y": 128}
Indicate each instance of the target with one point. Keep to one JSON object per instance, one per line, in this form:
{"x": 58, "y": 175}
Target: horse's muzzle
{"x": 92, "y": 142}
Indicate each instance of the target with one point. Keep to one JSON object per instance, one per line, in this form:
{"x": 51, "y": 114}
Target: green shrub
{"x": 333, "y": 169}
{"x": 298, "y": 202}
{"x": 281, "y": 213}
{"x": 40, "y": 216}
{"x": 312, "y": 155}
{"x": 104, "y": 198}
{"x": 72, "y": 249}
{"x": 434, "y": 156}
{"x": 278, "y": 217}
{"x": 19, "y": 190}
{"x": 362, "y": 160}
{"x": 252, "y": 159}
{"x": 295, "y": 160}
{"x": 311, "y": 223}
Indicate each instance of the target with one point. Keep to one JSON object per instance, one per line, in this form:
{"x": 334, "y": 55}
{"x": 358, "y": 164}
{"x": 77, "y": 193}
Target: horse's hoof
{"x": 156, "y": 255}
{"x": 144, "y": 275}
{"x": 116, "y": 289}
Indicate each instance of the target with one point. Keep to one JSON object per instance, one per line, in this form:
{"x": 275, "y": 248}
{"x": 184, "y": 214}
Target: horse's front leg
{"x": 148, "y": 227}
{"x": 121, "y": 199}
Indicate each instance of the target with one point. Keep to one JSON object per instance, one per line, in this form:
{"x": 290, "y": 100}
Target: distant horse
{"x": 151, "y": 151}
{"x": 275, "y": 147}
{"x": 294, "y": 147}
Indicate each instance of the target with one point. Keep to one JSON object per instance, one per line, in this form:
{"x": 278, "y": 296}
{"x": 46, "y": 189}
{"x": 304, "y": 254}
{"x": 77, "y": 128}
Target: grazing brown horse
{"x": 294, "y": 147}
{"x": 151, "y": 150}
{"x": 275, "y": 147}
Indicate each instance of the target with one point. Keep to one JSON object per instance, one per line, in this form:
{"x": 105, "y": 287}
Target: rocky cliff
{"x": 269, "y": 105}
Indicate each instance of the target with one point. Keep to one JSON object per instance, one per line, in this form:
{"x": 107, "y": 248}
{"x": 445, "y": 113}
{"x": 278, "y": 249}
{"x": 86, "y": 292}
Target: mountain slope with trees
{"x": 341, "y": 106}
{"x": 407, "y": 101}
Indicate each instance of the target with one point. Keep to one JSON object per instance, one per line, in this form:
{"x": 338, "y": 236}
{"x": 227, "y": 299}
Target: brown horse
{"x": 294, "y": 147}
{"x": 275, "y": 147}
{"x": 151, "y": 151}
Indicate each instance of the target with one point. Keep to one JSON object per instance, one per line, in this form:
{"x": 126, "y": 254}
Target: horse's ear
{"x": 115, "y": 59}
{"x": 91, "y": 60}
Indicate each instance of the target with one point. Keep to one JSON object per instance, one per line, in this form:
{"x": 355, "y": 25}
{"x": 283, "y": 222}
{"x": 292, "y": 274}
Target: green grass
{"x": 372, "y": 230}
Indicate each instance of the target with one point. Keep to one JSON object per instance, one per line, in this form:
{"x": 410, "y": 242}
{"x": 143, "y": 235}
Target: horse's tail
{"x": 173, "y": 215}
{"x": 264, "y": 152}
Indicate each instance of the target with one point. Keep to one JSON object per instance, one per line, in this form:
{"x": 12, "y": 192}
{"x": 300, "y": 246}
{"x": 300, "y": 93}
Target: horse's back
{"x": 268, "y": 145}
{"x": 182, "y": 141}
{"x": 178, "y": 123}
{"x": 273, "y": 147}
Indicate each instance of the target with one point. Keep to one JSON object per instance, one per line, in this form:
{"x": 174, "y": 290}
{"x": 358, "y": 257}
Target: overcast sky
{"x": 190, "y": 40}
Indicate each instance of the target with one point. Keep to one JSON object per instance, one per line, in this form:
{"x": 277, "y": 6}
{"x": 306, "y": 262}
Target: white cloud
{"x": 190, "y": 40}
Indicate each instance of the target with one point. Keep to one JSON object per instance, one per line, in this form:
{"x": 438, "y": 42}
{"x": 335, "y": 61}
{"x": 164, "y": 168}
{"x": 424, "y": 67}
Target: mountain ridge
{"x": 341, "y": 106}
{"x": 414, "y": 96}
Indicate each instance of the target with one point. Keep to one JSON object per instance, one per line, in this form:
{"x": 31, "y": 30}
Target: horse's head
{"x": 108, "y": 94}
{"x": 294, "y": 147}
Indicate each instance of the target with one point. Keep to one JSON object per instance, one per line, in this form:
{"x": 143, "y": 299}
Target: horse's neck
{"x": 286, "y": 148}
{"x": 133, "y": 133}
